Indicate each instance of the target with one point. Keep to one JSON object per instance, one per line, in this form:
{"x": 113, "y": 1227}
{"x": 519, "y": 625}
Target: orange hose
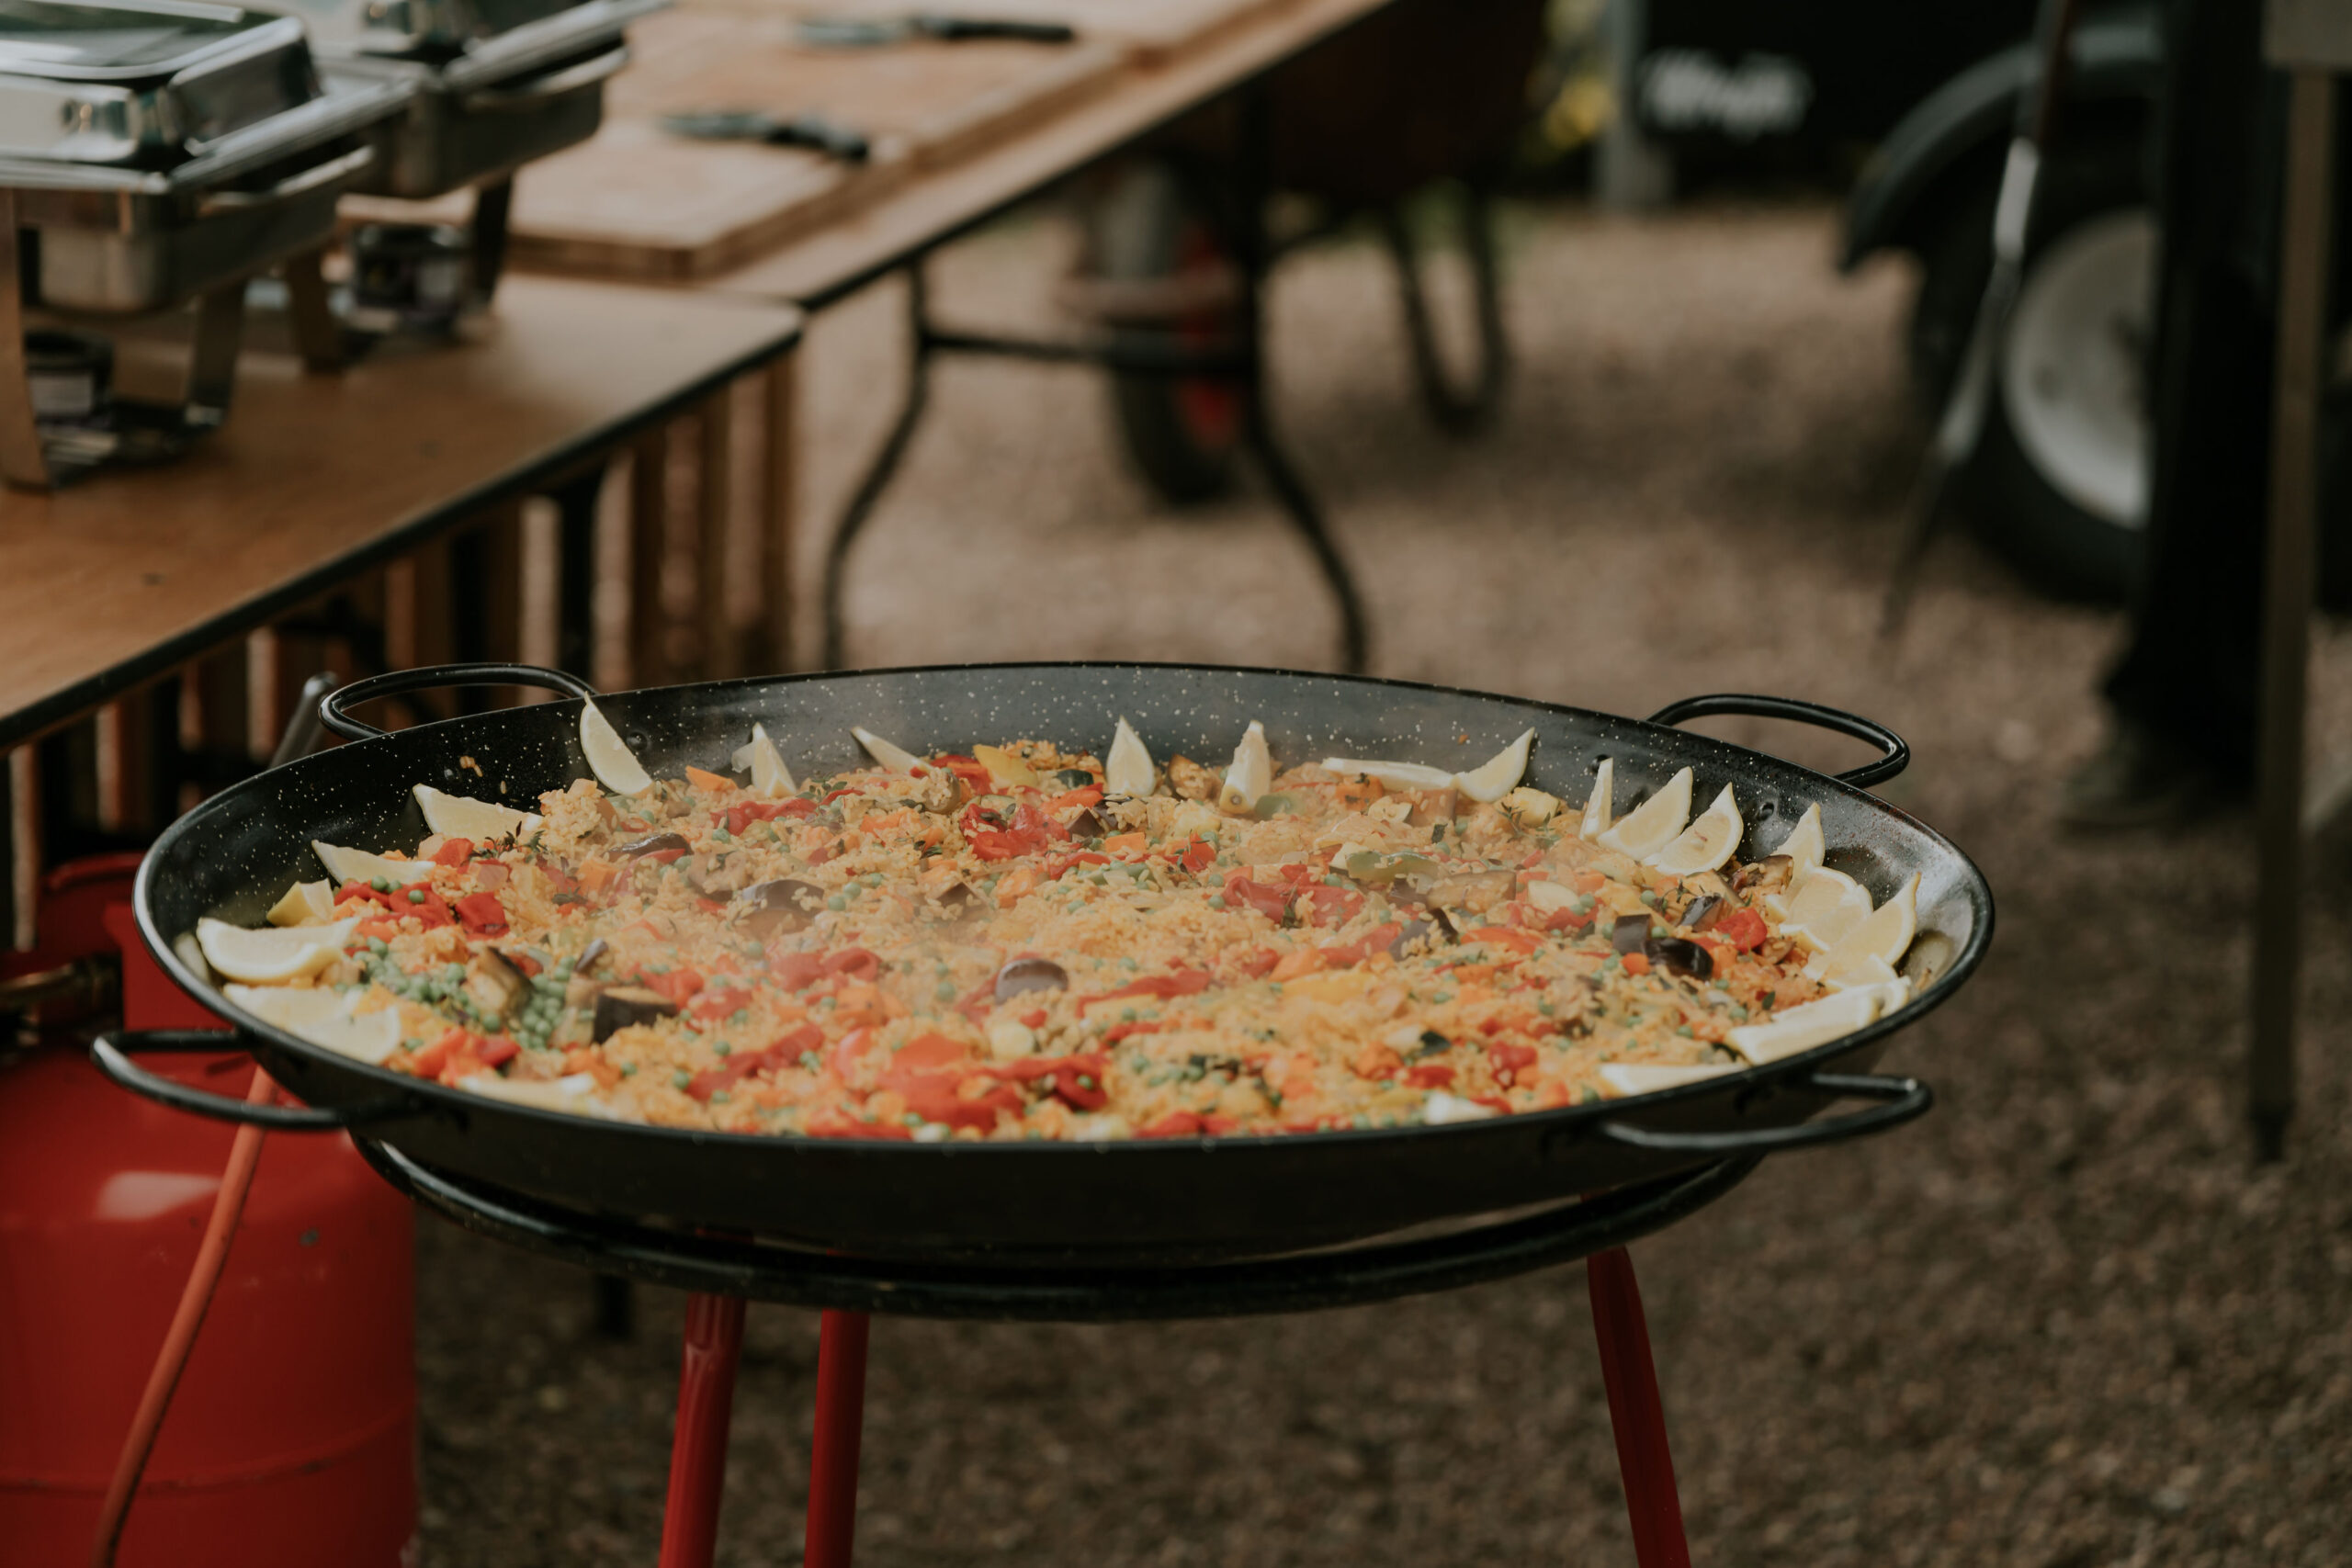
{"x": 195, "y": 1297}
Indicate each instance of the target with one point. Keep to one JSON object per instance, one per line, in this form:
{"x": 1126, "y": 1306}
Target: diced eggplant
{"x": 1086, "y": 825}
{"x": 590, "y": 956}
{"x": 625, "y": 1007}
{"x": 1703, "y": 912}
{"x": 783, "y": 904}
{"x": 652, "y": 843}
{"x": 497, "y": 987}
{"x": 1030, "y": 975}
{"x": 1432, "y": 1043}
{"x": 579, "y": 992}
{"x": 1631, "y": 933}
{"x": 1683, "y": 957}
{"x": 961, "y": 901}
{"x": 1417, "y": 933}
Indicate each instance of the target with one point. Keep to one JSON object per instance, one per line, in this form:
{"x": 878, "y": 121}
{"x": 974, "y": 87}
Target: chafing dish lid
{"x": 145, "y": 40}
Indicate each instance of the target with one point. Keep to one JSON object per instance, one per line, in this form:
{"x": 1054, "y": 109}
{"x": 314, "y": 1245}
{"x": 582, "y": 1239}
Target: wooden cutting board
{"x": 637, "y": 202}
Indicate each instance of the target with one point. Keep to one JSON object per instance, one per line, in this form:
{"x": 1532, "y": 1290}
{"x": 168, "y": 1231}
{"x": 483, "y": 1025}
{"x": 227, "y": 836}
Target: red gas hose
{"x": 195, "y": 1297}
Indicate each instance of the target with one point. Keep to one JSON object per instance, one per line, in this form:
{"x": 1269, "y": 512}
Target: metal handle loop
{"x": 1897, "y": 752}
{"x": 1902, "y": 1099}
{"x": 316, "y": 177}
{"x": 332, "y": 708}
{"x": 107, "y": 1054}
{"x": 536, "y": 90}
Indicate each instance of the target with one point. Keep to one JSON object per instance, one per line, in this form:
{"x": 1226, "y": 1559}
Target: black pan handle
{"x": 108, "y": 1054}
{"x": 1897, "y": 753}
{"x": 1901, "y": 1100}
{"x": 331, "y": 706}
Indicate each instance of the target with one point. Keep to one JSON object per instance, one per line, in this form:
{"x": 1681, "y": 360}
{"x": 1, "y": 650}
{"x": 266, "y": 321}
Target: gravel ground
{"x": 2063, "y": 1322}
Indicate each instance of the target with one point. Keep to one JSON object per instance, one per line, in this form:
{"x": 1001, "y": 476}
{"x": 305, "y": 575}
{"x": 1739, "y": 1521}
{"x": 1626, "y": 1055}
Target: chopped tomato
{"x": 1033, "y": 1017}
{"x": 1429, "y": 1074}
{"x": 481, "y": 913}
{"x": 496, "y": 1051}
{"x": 1254, "y": 964}
{"x": 783, "y": 1053}
{"x": 1508, "y": 1058}
{"x": 1332, "y": 906}
{"x": 428, "y": 1063}
{"x": 738, "y": 817}
{"x": 363, "y": 890}
{"x": 454, "y": 852}
{"x": 1743, "y": 929}
{"x": 935, "y": 1097}
{"x": 1077, "y": 1081}
{"x": 991, "y": 843}
{"x": 1198, "y": 856}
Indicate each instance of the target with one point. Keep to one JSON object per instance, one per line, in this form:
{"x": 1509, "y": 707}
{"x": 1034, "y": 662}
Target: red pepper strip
{"x": 496, "y": 1051}
{"x": 837, "y": 794}
{"x": 1256, "y": 964}
{"x": 524, "y": 961}
{"x": 795, "y": 970}
{"x": 1566, "y": 921}
{"x": 1507, "y": 1059}
{"x": 677, "y": 984}
{"x": 855, "y": 961}
{"x": 481, "y": 913}
{"x": 743, "y": 1063}
{"x": 1377, "y": 940}
{"x": 1062, "y": 863}
{"x": 1188, "y": 1124}
{"x": 1033, "y": 1017}
{"x": 1505, "y": 936}
{"x": 1332, "y": 905}
{"x": 1184, "y": 983}
{"x": 363, "y": 890}
{"x": 977, "y": 1004}
{"x": 1119, "y": 1032}
{"x": 971, "y": 770}
{"x": 1084, "y": 795}
{"x": 1077, "y": 1081}
{"x": 383, "y": 930}
{"x": 837, "y": 1126}
{"x": 454, "y": 852}
{"x": 662, "y": 857}
{"x": 428, "y": 1063}
{"x": 1743, "y": 929}
{"x": 991, "y": 843}
{"x": 1269, "y": 900}
{"x": 1429, "y": 1074}
{"x": 718, "y": 1001}
{"x": 1198, "y": 856}
{"x": 934, "y": 1097}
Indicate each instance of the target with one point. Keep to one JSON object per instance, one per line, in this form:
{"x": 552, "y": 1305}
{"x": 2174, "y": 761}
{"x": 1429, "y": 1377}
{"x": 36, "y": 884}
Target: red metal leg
{"x": 698, "y": 1453}
{"x": 1642, "y": 1461}
{"x": 841, "y": 1420}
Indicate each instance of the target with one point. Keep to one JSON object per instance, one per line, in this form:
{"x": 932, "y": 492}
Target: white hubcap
{"x": 2072, "y": 374}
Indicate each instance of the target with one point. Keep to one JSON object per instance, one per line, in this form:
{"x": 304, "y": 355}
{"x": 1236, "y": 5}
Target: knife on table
{"x": 812, "y": 131}
{"x": 869, "y": 33}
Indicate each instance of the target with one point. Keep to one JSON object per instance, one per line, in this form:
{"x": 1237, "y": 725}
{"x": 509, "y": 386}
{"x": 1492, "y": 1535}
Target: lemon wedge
{"x": 1252, "y": 775}
{"x": 759, "y": 757}
{"x": 1127, "y": 769}
{"x": 1802, "y": 1028}
{"x": 1005, "y": 767}
{"x": 1706, "y": 844}
{"x": 1886, "y": 935}
{"x": 574, "y": 1092}
{"x": 323, "y": 1018}
{"x": 1395, "y": 775}
{"x": 1629, "y": 1078}
{"x": 1597, "y": 817}
{"x": 1804, "y": 847}
{"x": 274, "y": 953}
{"x": 1442, "y": 1108}
{"x": 1821, "y": 913}
{"x": 1853, "y": 971}
{"x": 1499, "y": 774}
{"x": 461, "y": 816}
{"x": 1654, "y": 824}
{"x": 290, "y": 1007}
{"x": 303, "y": 901}
{"x": 897, "y": 759}
{"x": 357, "y": 866}
{"x": 609, "y": 758}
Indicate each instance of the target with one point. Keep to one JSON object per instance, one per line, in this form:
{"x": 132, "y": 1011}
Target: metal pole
{"x": 2287, "y": 603}
{"x": 1644, "y": 1463}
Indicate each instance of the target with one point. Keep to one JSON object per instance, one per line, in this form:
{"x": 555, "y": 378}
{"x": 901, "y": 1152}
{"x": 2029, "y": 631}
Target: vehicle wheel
{"x": 2059, "y": 481}
{"x": 1182, "y": 433}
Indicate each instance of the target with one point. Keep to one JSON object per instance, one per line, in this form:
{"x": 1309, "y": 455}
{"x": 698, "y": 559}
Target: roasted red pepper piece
{"x": 743, "y": 1063}
{"x": 1184, "y": 983}
{"x": 480, "y": 913}
{"x": 1269, "y": 900}
{"x": 1743, "y": 929}
{"x": 794, "y": 970}
{"x": 855, "y": 961}
{"x": 1507, "y": 1059}
{"x": 454, "y": 852}
{"x": 1429, "y": 1074}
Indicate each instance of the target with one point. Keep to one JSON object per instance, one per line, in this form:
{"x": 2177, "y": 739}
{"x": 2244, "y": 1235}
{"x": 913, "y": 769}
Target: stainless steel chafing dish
{"x": 154, "y": 151}
{"x": 496, "y": 82}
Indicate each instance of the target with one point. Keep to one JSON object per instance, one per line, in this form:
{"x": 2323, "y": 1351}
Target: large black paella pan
{"x": 1197, "y": 1198}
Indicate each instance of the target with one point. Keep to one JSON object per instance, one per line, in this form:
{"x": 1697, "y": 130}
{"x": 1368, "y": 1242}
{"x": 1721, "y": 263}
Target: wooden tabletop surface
{"x": 124, "y": 575}
{"x": 961, "y": 131}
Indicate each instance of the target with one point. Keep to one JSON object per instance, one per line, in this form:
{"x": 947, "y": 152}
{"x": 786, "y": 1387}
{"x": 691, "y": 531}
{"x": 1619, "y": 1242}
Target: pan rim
{"x": 433, "y": 1099}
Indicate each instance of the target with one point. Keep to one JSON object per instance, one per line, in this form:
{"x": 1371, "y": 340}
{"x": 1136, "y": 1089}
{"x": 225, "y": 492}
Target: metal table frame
{"x": 722, "y": 1275}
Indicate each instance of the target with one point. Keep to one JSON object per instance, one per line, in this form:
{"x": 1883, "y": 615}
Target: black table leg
{"x": 575, "y": 504}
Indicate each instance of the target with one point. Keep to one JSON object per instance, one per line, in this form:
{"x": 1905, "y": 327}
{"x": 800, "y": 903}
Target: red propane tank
{"x": 292, "y": 1439}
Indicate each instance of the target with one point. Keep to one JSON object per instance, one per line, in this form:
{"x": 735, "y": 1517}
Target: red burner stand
{"x": 722, "y": 1275}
